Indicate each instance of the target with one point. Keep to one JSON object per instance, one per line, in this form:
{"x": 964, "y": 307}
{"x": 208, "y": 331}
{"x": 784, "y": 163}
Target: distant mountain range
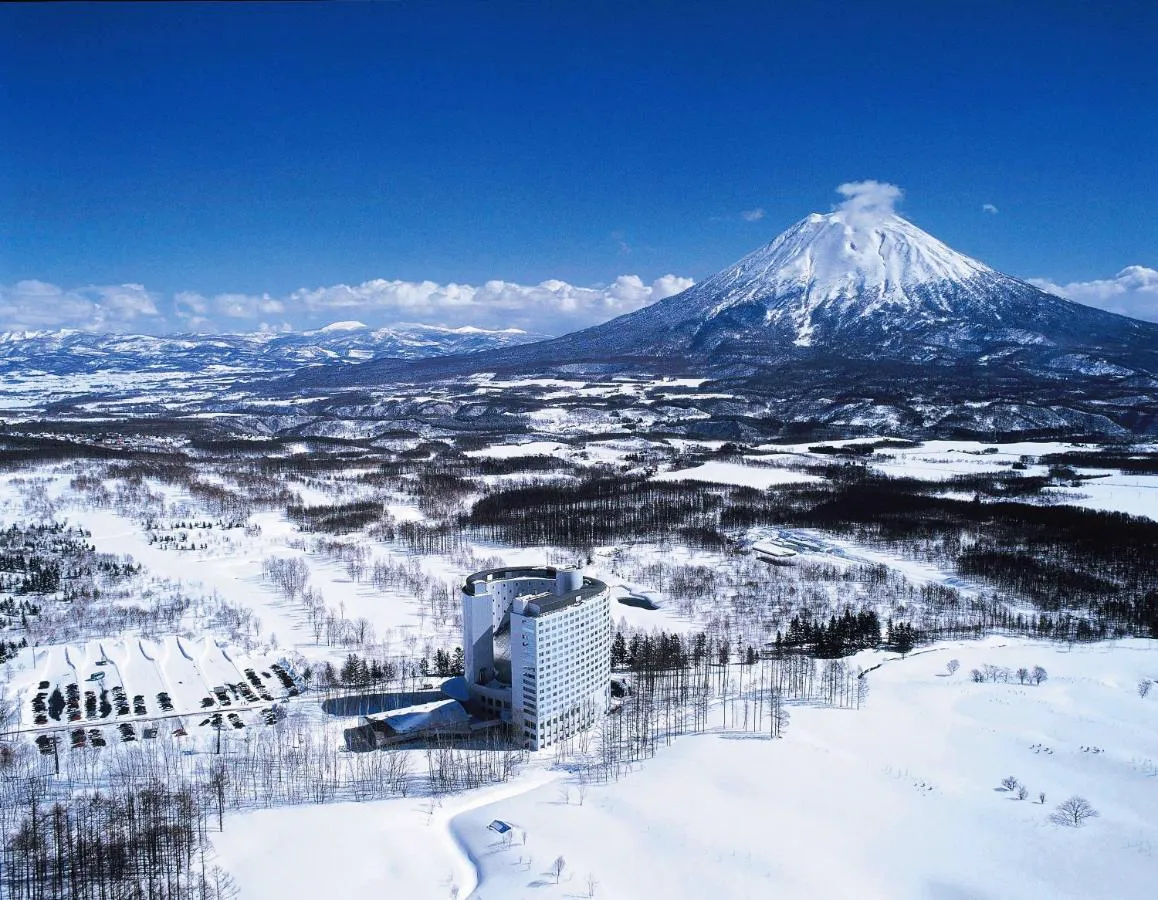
{"x": 841, "y": 324}
{"x": 343, "y": 343}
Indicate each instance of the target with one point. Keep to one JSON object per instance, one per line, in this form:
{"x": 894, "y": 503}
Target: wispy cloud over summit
{"x": 868, "y": 202}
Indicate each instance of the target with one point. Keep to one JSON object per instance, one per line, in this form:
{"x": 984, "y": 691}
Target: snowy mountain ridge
{"x": 71, "y": 351}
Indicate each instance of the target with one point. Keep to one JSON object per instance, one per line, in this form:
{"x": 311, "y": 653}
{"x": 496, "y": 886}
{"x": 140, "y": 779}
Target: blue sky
{"x": 232, "y": 166}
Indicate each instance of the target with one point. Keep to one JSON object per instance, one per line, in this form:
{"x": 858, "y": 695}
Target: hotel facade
{"x": 537, "y": 648}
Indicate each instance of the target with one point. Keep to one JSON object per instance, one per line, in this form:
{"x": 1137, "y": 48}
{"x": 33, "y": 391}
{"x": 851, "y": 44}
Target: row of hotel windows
{"x": 546, "y": 705}
{"x": 571, "y": 718}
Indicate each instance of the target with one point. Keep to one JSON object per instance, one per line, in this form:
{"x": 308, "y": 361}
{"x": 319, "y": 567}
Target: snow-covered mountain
{"x": 870, "y": 290}
{"x": 842, "y": 291}
{"x": 856, "y": 322}
{"x": 70, "y": 352}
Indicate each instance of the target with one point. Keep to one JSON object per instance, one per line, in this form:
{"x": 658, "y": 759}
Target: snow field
{"x": 405, "y": 847}
{"x": 1135, "y": 495}
{"x": 719, "y": 472}
{"x": 901, "y": 799}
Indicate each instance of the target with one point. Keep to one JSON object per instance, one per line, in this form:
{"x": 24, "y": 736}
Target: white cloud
{"x": 551, "y": 307}
{"x": 189, "y": 305}
{"x": 1132, "y": 292}
{"x": 669, "y": 286}
{"x": 31, "y": 304}
{"x": 867, "y": 202}
{"x": 989, "y": 208}
{"x": 753, "y": 215}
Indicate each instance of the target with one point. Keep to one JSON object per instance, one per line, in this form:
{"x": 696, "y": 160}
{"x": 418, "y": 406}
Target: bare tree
{"x": 1022, "y": 675}
{"x": 952, "y": 666}
{"x": 1073, "y": 812}
{"x": 1041, "y": 798}
{"x": 557, "y": 868}
{"x": 592, "y": 884}
{"x": 777, "y": 712}
{"x": 1038, "y": 675}
{"x": 1010, "y": 783}
{"x": 1144, "y": 687}
{"x": 1022, "y": 792}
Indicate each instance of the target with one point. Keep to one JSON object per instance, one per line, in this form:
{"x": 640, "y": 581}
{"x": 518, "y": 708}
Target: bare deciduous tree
{"x": 1038, "y": 675}
{"x": 557, "y": 868}
{"x": 1073, "y": 812}
{"x": 952, "y": 666}
{"x": 1010, "y": 783}
{"x": 1144, "y": 687}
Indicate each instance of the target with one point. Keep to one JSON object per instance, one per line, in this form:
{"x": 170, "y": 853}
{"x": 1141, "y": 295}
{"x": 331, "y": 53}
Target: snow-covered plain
{"x": 1136, "y": 495}
{"x": 719, "y": 472}
{"x": 901, "y": 799}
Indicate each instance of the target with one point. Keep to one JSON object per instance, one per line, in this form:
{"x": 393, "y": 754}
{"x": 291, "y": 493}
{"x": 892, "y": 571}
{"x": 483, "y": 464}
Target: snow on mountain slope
{"x": 834, "y": 259}
{"x": 840, "y": 286}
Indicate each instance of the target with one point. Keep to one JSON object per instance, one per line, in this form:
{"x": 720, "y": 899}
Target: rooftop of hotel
{"x": 545, "y": 602}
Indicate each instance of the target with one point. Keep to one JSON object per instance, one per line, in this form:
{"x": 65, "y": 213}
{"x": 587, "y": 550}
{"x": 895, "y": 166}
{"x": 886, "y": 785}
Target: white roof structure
{"x": 424, "y": 716}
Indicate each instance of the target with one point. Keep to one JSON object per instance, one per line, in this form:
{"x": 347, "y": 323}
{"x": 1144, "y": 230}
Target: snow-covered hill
{"x": 71, "y": 352}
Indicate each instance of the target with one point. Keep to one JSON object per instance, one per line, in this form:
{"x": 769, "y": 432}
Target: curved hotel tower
{"x": 537, "y": 644}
